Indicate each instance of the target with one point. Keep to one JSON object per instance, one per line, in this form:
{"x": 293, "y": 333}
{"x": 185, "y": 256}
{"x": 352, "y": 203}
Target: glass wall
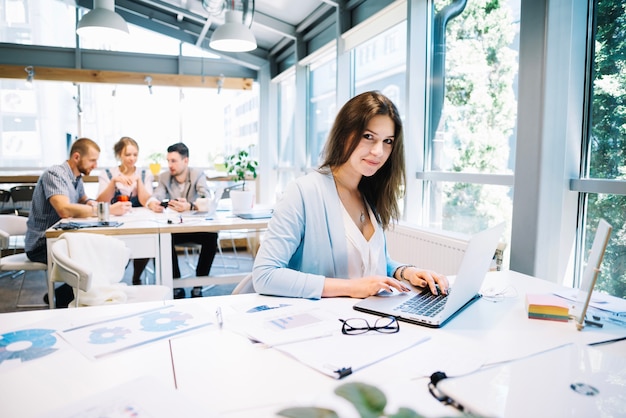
{"x": 472, "y": 118}
{"x": 604, "y": 156}
{"x": 39, "y": 120}
{"x": 38, "y": 124}
{"x": 380, "y": 64}
{"x": 287, "y": 141}
{"x": 322, "y": 86}
{"x": 38, "y": 22}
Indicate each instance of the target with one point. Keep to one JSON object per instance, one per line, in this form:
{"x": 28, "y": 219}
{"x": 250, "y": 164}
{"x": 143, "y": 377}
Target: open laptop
{"x": 420, "y": 307}
{"x": 568, "y": 381}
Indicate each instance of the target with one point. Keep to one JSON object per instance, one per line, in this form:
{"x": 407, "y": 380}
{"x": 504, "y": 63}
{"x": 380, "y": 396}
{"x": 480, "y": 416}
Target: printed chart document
{"x": 274, "y": 326}
{"x": 113, "y": 335}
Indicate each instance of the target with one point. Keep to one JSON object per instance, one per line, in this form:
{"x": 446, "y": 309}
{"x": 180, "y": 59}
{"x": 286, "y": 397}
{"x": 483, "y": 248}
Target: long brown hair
{"x": 382, "y": 190}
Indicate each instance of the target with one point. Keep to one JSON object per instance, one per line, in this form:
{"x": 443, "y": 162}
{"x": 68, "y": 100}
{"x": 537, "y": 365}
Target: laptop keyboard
{"x": 424, "y": 304}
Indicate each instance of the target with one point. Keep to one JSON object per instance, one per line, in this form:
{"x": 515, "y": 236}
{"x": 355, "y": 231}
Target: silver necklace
{"x": 362, "y": 216}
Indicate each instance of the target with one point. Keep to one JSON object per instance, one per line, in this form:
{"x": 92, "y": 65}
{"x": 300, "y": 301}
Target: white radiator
{"x": 438, "y": 250}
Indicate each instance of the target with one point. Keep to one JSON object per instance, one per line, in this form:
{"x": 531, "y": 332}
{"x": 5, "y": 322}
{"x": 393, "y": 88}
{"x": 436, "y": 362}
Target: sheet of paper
{"x": 141, "y": 398}
{"x": 275, "y": 325}
{"x": 116, "y": 334}
{"x": 598, "y": 300}
{"x": 28, "y": 344}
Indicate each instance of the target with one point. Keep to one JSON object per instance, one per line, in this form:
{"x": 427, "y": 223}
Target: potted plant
{"x": 155, "y": 160}
{"x": 240, "y": 166}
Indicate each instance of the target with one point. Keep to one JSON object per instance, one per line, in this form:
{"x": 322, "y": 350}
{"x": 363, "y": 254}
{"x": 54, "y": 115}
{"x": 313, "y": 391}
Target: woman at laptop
{"x": 329, "y": 225}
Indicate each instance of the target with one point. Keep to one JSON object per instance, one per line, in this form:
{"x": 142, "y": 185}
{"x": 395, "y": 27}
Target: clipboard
{"x": 341, "y": 355}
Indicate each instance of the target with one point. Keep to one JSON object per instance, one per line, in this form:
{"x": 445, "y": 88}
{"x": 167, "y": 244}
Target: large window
{"x": 380, "y": 64}
{"x": 322, "y": 109}
{"x": 287, "y": 143}
{"x": 604, "y": 148}
{"x": 39, "y": 120}
{"x": 39, "y": 123}
{"x": 471, "y": 135}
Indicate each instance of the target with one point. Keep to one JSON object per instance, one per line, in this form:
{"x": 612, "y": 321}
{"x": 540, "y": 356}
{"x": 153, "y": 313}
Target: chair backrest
{"x": 22, "y": 193}
{"x": 5, "y": 198}
{"x": 13, "y": 229}
{"x": 244, "y": 286}
{"x": 226, "y": 192}
{"x": 5, "y": 239}
{"x": 67, "y": 270}
{"x": 13, "y": 225}
{"x": 22, "y": 197}
{"x": 89, "y": 262}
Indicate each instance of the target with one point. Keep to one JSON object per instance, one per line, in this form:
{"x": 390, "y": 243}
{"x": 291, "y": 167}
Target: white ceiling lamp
{"x": 102, "y": 23}
{"x": 234, "y": 35}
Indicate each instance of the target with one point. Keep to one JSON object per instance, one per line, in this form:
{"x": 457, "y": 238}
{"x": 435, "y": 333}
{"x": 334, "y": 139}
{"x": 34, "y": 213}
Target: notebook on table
{"x": 420, "y": 306}
{"x": 256, "y": 214}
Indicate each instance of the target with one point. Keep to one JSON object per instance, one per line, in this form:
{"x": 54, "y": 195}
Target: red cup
{"x": 122, "y": 198}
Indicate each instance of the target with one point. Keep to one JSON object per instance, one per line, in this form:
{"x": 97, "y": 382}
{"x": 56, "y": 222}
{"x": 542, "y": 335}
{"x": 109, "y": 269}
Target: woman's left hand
{"x": 423, "y": 278}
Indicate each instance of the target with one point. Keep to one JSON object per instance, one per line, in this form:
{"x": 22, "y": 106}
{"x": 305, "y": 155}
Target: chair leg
{"x": 19, "y": 294}
{"x": 223, "y": 257}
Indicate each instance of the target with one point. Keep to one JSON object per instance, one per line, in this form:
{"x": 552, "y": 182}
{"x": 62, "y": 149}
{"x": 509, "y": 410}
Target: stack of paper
{"x": 547, "y": 306}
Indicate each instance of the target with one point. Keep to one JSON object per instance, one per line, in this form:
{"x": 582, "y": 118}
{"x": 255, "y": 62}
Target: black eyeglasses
{"x": 355, "y": 326}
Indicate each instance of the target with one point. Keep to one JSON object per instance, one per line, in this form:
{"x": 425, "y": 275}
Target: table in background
{"x": 223, "y": 372}
{"x": 149, "y": 235}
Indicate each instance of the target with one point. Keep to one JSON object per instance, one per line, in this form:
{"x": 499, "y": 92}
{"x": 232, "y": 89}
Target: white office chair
{"x": 244, "y": 286}
{"x": 93, "y": 265}
{"x": 12, "y": 231}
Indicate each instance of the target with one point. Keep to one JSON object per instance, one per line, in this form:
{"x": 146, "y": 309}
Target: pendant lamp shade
{"x": 233, "y": 36}
{"x": 102, "y": 23}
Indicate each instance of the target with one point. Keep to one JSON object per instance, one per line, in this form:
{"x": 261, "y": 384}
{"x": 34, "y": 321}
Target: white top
{"x": 127, "y": 190}
{"x": 365, "y": 258}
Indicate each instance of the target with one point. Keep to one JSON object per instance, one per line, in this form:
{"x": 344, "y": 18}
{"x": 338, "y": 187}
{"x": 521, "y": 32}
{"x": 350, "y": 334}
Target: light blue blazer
{"x": 305, "y": 241}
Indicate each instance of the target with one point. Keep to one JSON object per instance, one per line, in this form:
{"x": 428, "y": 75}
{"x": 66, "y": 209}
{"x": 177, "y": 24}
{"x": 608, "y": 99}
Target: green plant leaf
{"x": 367, "y": 399}
{"x": 405, "y": 413}
{"x": 307, "y": 412}
{"x": 240, "y": 165}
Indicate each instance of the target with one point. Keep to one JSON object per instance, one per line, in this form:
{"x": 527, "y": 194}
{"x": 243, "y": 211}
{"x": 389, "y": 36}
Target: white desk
{"x": 149, "y": 235}
{"x": 224, "y": 373}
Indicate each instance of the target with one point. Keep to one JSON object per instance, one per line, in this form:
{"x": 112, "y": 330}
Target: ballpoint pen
{"x": 220, "y": 320}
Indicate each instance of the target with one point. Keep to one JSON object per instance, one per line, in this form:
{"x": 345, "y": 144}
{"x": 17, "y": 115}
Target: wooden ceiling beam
{"x": 124, "y": 77}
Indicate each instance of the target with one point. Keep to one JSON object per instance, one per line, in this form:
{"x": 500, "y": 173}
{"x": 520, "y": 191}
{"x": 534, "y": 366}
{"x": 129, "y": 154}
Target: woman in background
{"x": 326, "y": 236}
{"x": 127, "y": 183}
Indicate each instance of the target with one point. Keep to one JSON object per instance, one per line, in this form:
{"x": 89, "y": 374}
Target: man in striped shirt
{"x": 60, "y": 193}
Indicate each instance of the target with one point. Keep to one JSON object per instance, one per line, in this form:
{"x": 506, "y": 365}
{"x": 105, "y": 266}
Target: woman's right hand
{"x": 361, "y": 287}
{"x": 122, "y": 179}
